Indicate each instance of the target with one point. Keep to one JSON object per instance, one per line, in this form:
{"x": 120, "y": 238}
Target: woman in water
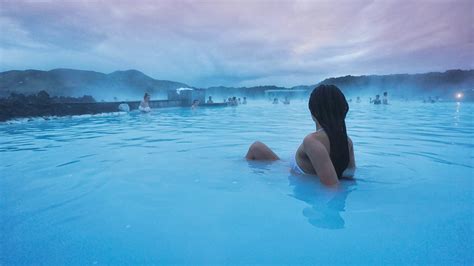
{"x": 145, "y": 104}
{"x": 327, "y": 152}
{"x": 195, "y": 104}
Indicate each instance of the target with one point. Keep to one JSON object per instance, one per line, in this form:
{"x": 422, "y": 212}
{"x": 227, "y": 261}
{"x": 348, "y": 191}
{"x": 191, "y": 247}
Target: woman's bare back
{"x": 303, "y": 160}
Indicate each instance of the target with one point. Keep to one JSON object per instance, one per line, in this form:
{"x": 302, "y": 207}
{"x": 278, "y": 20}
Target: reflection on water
{"x": 326, "y": 206}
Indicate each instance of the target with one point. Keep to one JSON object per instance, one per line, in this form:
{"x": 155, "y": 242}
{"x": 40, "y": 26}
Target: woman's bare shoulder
{"x": 314, "y": 141}
{"x": 311, "y": 137}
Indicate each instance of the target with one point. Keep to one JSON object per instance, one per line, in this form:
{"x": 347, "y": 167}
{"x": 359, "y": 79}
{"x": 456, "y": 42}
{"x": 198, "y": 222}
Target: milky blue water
{"x": 172, "y": 187}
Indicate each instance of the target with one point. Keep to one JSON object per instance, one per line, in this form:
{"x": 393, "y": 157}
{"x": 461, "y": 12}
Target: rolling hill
{"x": 69, "y": 82}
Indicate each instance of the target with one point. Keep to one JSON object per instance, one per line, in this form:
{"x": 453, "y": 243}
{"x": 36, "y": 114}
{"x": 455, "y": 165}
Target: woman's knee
{"x": 254, "y": 149}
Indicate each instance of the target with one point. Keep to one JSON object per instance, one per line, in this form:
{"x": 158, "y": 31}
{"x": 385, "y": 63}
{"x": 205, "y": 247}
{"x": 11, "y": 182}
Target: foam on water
{"x": 171, "y": 186}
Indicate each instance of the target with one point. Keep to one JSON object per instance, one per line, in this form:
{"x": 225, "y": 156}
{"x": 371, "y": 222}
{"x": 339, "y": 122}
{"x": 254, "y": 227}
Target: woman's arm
{"x": 321, "y": 161}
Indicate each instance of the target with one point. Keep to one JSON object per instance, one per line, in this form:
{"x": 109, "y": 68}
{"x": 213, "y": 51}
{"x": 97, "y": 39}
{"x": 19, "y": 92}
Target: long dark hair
{"x": 329, "y": 106}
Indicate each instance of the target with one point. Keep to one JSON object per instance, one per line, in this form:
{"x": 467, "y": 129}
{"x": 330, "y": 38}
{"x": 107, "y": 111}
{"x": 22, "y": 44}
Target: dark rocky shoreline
{"x": 41, "y": 105}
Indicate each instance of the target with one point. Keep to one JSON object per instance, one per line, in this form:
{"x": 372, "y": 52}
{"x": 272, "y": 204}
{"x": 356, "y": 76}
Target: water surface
{"x": 172, "y": 187}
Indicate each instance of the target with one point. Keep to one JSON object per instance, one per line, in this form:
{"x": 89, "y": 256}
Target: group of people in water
{"x": 234, "y": 101}
{"x": 286, "y": 101}
{"x": 377, "y": 99}
{"x": 231, "y": 101}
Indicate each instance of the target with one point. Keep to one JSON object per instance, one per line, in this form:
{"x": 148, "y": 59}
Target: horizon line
{"x": 267, "y": 85}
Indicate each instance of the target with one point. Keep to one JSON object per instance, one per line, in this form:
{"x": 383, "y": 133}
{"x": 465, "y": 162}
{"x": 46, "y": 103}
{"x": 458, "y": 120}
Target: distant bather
{"x": 377, "y": 100}
{"x": 145, "y": 104}
{"x": 209, "y": 100}
{"x": 385, "y": 98}
{"x": 195, "y": 104}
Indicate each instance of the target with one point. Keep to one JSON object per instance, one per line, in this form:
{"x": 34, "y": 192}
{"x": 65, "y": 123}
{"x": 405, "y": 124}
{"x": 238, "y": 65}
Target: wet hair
{"x": 377, "y": 96}
{"x": 385, "y": 94}
{"x": 329, "y": 106}
{"x": 146, "y": 95}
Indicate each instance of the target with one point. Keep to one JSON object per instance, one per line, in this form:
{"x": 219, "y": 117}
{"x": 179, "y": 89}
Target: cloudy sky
{"x": 238, "y": 43}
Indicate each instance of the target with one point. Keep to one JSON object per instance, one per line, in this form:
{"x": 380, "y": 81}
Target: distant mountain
{"x": 443, "y": 84}
{"x": 435, "y": 83}
{"x": 69, "y": 82}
